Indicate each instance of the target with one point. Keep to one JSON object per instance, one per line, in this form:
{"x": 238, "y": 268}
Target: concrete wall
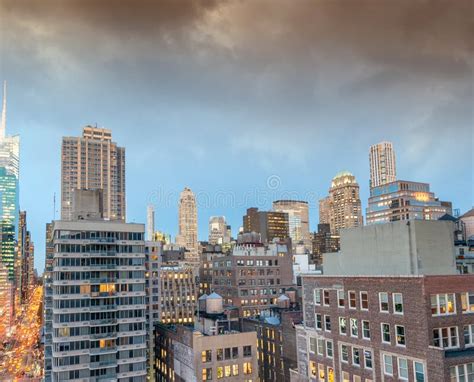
{"x": 415, "y": 247}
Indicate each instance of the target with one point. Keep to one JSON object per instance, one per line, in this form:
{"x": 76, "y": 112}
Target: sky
{"x": 244, "y": 102}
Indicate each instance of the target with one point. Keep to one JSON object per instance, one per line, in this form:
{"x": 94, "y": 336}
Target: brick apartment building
{"x": 254, "y": 275}
{"x": 389, "y": 307}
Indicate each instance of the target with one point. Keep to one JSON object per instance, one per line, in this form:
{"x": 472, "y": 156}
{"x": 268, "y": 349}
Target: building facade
{"x": 219, "y": 231}
{"x": 324, "y": 210}
{"x": 403, "y": 200}
{"x": 269, "y": 224}
{"x": 211, "y": 350}
{"x": 298, "y": 221}
{"x": 98, "y": 302}
{"x": 188, "y": 231}
{"x": 382, "y": 164}
{"x": 387, "y": 328}
{"x": 93, "y": 162}
{"x": 253, "y": 276}
{"x": 150, "y": 222}
{"x": 324, "y": 242}
{"x": 25, "y": 275}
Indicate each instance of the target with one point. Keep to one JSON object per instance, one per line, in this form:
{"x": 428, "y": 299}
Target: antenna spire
{"x": 3, "y": 124}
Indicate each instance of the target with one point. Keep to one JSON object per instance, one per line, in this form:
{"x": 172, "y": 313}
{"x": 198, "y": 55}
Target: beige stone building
{"x": 93, "y": 161}
{"x": 382, "y": 164}
{"x": 187, "y": 231}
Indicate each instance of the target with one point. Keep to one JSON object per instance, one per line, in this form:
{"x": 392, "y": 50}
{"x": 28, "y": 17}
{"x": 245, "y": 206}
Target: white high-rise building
{"x": 150, "y": 222}
{"x": 9, "y": 145}
{"x": 382, "y": 164}
{"x": 98, "y": 295}
{"x": 187, "y": 231}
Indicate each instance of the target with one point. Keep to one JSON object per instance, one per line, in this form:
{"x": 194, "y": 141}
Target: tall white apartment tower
{"x": 98, "y": 295}
{"x": 187, "y": 231}
{"x": 382, "y": 164}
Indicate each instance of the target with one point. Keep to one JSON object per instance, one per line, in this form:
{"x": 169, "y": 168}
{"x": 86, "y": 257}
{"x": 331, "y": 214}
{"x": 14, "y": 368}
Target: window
{"x": 383, "y": 302}
{"x": 397, "y": 303}
{"x": 467, "y": 300}
{"x": 227, "y": 371}
{"x": 206, "y": 356}
{"x": 419, "y": 370}
{"x": 356, "y": 378}
{"x": 368, "y": 359}
{"x": 329, "y": 349}
{"x": 352, "y": 299}
{"x": 469, "y": 335}
{"x": 326, "y": 297}
{"x": 366, "y": 330}
{"x": 356, "y": 356}
{"x": 354, "y": 327}
{"x": 320, "y": 346}
{"x": 344, "y": 353}
{"x": 247, "y": 366}
{"x": 327, "y": 323}
{"x": 235, "y": 369}
{"x": 400, "y": 335}
{"x": 340, "y": 299}
{"x": 445, "y": 338}
{"x": 403, "y": 369}
{"x": 364, "y": 301}
{"x": 317, "y": 297}
{"x": 385, "y": 333}
{"x": 235, "y": 352}
{"x": 387, "y": 364}
{"x": 313, "y": 369}
{"x": 207, "y": 374}
{"x": 462, "y": 373}
{"x": 345, "y": 377}
{"x": 312, "y": 345}
{"x": 227, "y": 353}
{"x": 248, "y": 351}
{"x": 342, "y": 325}
{"x": 319, "y": 322}
{"x": 322, "y": 374}
{"x": 443, "y": 304}
{"x": 220, "y": 372}
{"x": 220, "y": 354}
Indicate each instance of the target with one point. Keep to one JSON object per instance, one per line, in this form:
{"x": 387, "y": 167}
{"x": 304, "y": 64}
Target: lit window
{"x": 400, "y": 335}
{"x": 247, "y": 366}
{"x": 227, "y": 371}
{"x": 313, "y": 368}
{"x": 467, "y": 300}
{"x": 220, "y": 372}
{"x": 207, "y": 374}
{"x": 443, "y": 304}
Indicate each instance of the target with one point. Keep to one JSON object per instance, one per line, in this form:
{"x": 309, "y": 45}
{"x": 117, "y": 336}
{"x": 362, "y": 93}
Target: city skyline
{"x": 260, "y": 118}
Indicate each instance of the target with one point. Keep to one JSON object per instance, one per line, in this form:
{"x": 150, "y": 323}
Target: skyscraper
{"x": 382, "y": 164}
{"x": 9, "y": 181}
{"x": 93, "y": 162}
{"x": 150, "y": 222}
{"x": 187, "y": 231}
{"x": 324, "y": 207}
{"x": 218, "y": 231}
{"x": 25, "y": 260}
{"x": 344, "y": 202}
{"x": 298, "y": 220}
{"x": 269, "y": 224}
{"x": 98, "y": 291}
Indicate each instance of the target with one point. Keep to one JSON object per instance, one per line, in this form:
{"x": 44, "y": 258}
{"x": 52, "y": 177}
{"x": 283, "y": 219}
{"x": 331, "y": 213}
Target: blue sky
{"x": 242, "y": 101}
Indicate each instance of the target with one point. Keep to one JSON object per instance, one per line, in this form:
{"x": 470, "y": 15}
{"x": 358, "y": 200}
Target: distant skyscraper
{"x": 404, "y": 200}
{"x": 187, "y": 231}
{"x": 344, "y": 207}
{"x": 9, "y": 145}
{"x": 298, "y": 220}
{"x": 150, "y": 222}
{"x": 25, "y": 261}
{"x": 382, "y": 164}
{"x": 269, "y": 224}
{"x": 324, "y": 208}
{"x": 218, "y": 230}
{"x": 93, "y": 162}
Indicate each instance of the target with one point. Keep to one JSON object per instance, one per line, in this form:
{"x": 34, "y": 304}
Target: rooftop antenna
{"x": 4, "y": 111}
{"x": 54, "y": 206}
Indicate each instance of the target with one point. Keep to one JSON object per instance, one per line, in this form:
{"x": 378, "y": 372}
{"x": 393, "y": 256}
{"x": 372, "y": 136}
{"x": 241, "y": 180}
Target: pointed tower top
{"x": 3, "y": 124}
